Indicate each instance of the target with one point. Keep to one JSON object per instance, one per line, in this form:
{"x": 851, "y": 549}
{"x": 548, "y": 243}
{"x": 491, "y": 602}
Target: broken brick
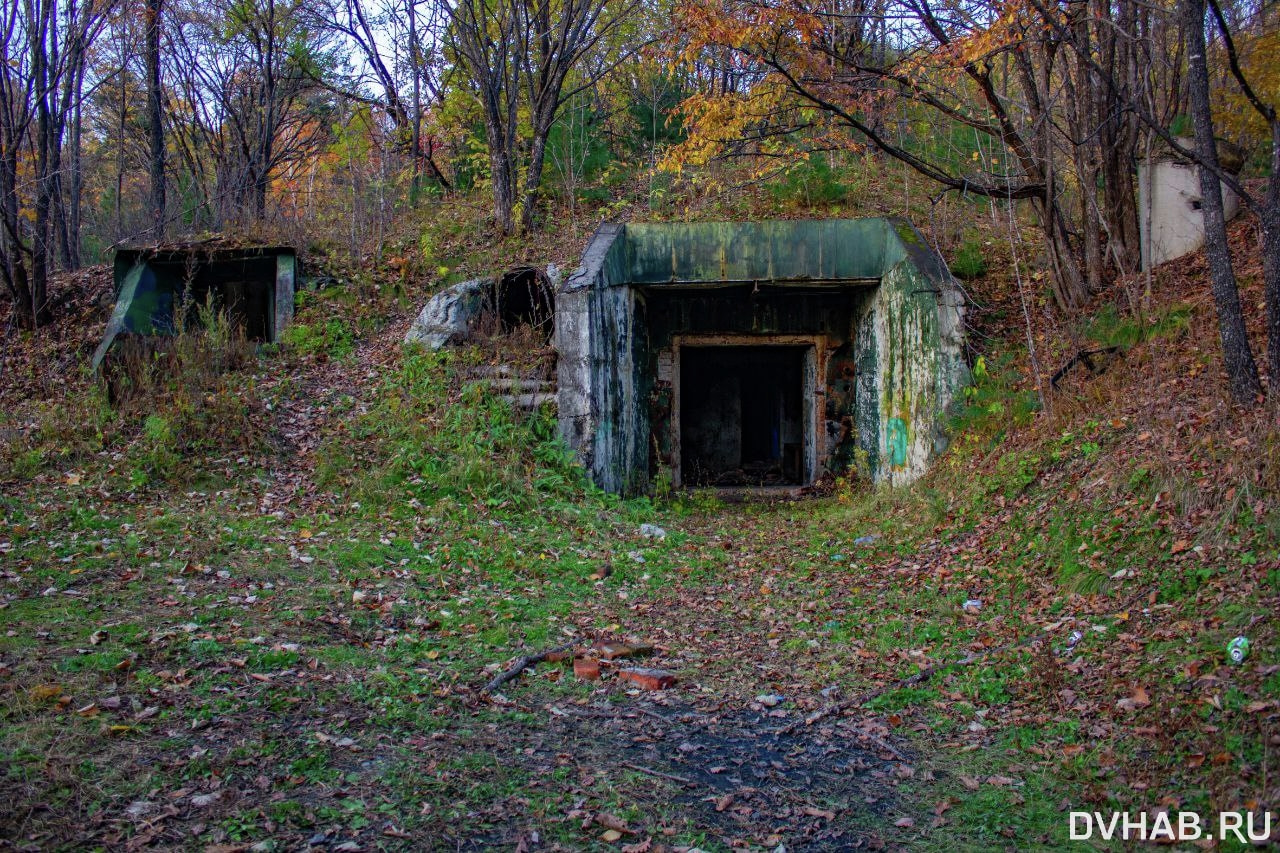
{"x": 587, "y": 669}
{"x": 649, "y": 679}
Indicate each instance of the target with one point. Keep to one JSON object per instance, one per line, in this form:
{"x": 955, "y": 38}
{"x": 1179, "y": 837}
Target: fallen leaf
{"x": 612, "y": 822}
{"x": 904, "y": 822}
{"x": 825, "y": 814}
{"x": 1139, "y": 699}
{"x": 44, "y": 692}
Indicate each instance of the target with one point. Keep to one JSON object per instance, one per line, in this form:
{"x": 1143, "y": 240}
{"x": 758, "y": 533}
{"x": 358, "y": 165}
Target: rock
{"x": 446, "y": 318}
{"x": 652, "y": 531}
{"x": 770, "y": 700}
{"x": 648, "y": 679}
{"x": 587, "y": 669}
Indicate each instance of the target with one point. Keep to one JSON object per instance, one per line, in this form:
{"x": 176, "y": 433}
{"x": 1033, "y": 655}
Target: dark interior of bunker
{"x": 521, "y": 298}
{"x": 741, "y": 415}
{"x": 184, "y": 283}
{"x": 736, "y": 357}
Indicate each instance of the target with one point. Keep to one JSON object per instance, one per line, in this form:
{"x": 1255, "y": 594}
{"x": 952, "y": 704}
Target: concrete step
{"x": 521, "y": 385}
{"x": 529, "y": 402}
{"x": 503, "y": 371}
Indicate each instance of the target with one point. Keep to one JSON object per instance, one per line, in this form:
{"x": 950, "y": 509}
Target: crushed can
{"x": 1238, "y": 649}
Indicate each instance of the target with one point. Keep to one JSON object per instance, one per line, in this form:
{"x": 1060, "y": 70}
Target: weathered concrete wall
{"x": 750, "y": 251}
{"x": 876, "y": 304}
{"x": 598, "y": 395}
{"x": 1170, "y": 219}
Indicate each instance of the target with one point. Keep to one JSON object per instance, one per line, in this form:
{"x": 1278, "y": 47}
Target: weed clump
{"x": 163, "y": 403}
{"x": 436, "y": 431}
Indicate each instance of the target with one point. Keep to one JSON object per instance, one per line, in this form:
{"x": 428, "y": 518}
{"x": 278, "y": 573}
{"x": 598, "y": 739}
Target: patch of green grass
{"x": 333, "y": 337}
{"x": 1110, "y": 328}
{"x": 969, "y": 262}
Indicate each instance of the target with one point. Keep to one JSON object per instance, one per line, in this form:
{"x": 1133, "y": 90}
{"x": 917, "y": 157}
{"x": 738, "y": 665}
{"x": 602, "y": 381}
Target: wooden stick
{"x": 884, "y": 744}
{"x": 521, "y": 665}
{"x": 658, "y": 773}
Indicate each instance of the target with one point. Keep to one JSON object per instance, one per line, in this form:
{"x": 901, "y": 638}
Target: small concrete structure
{"x": 757, "y": 354}
{"x": 1169, "y": 202}
{"x": 161, "y": 289}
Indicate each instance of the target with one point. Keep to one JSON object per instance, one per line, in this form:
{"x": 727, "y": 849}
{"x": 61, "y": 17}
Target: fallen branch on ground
{"x": 650, "y": 771}
{"x": 521, "y": 665}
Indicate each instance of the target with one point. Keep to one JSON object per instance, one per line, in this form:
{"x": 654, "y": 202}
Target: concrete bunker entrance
{"x": 162, "y": 290}
{"x": 756, "y": 354}
{"x": 242, "y": 289}
{"x": 742, "y": 415}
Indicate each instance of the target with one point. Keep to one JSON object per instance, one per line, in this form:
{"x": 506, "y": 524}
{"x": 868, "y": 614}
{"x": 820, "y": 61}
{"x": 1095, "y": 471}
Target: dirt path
{"x": 303, "y": 411}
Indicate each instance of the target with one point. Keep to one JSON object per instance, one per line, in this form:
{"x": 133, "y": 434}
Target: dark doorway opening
{"x": 242, "y": 289}
{"x": 742, "y": 415}
{"x": 522, "y": 297}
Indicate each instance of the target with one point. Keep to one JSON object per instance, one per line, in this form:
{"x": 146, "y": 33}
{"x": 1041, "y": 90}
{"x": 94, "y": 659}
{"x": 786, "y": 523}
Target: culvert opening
{"x": 742, "y": 415}
{"x": 521, "y": 299}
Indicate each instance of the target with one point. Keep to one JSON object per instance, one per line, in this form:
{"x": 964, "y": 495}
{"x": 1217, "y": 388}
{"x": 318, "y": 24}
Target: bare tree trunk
{"x": 1270, "y": 216}
{"x": 122, "y": 117}
{"x": 43, "y": 23}
{"x": 155, "y": 119}
{"x": 415, "y": 131}
{"x": 504, "y": 202}
{"x": 1237, "y": 355}
{"x": 76, "y": 193}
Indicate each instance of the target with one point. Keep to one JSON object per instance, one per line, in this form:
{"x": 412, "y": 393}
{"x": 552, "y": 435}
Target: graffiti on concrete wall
{"x": 897, "y": 442}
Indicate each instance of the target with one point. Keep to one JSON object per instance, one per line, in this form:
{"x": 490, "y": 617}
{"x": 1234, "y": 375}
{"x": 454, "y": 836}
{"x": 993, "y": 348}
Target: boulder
{"x": 446, "y": 319}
